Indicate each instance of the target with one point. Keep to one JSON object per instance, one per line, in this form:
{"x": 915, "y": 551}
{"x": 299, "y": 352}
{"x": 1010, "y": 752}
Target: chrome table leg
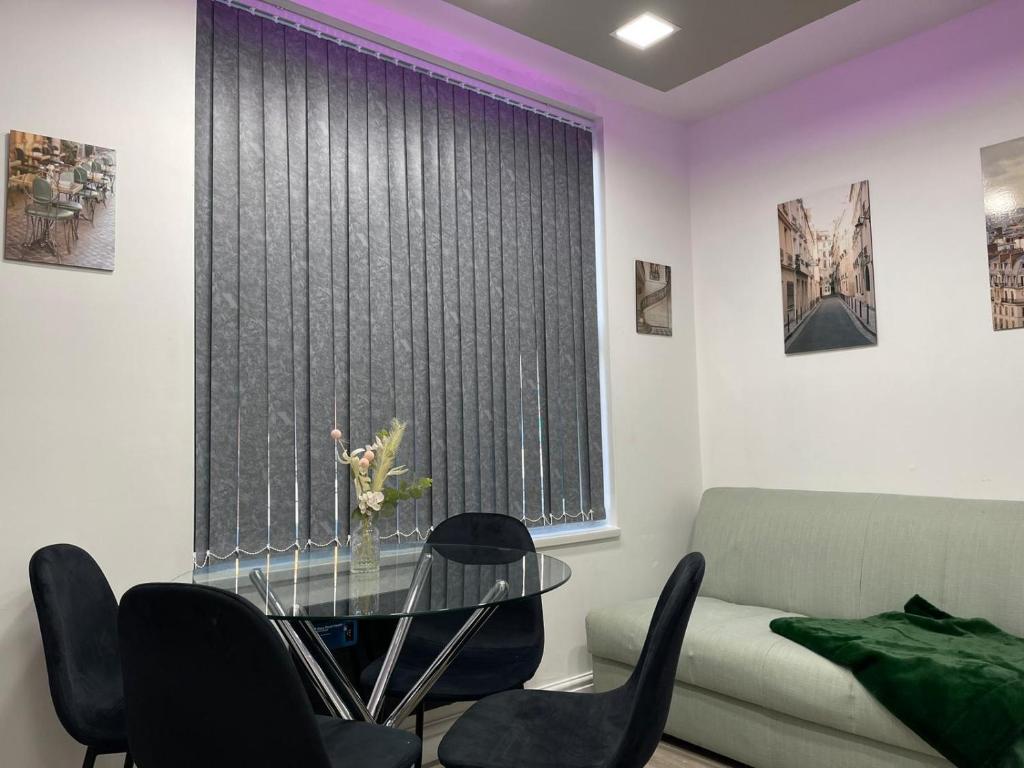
{"x": 323, "y": 684}
{"x": 301, "y": 636}
{"x": 398, "y": 639}
{"x": 437, "y": 667}
{"x": 334, "y": 672}
{"x": 335, "y": 707}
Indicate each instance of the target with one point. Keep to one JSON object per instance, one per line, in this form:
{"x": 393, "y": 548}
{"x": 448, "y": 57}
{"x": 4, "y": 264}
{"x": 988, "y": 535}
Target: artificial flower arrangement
{"x": 372, "y": 466}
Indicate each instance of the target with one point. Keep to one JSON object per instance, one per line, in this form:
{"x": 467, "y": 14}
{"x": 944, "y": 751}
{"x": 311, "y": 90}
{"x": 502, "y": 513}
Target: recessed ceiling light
{"x": 645, "y": 30}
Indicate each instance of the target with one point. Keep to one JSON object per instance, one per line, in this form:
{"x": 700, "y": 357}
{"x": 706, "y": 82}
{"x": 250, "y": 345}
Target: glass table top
{"x": 413, "y": 580}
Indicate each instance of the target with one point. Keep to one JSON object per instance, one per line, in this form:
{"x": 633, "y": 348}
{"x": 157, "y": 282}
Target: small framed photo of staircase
{"x": 653, "y": 298}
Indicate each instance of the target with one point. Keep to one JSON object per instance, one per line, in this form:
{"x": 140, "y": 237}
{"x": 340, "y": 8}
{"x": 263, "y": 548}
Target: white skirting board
{"x": 438, "y": 721}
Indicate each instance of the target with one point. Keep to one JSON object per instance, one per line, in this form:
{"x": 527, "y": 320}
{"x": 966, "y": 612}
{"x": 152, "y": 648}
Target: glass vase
{"x": 365, "y": 545}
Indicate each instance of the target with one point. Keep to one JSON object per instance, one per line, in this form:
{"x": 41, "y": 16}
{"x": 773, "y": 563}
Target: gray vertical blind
{"x": 372, "y": 242}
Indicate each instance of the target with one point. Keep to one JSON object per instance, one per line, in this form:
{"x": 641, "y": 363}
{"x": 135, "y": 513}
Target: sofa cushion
{"x": 730, "y": 649}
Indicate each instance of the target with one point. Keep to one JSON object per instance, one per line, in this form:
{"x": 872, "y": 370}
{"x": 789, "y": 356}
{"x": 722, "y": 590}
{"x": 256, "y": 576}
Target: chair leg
{"x": 90, "y": 757}
{"x": 419, "y": 734}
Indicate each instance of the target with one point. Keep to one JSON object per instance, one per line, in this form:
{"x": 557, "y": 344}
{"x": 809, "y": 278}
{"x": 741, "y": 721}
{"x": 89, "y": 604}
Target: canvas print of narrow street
{"x": 828, "y": 273}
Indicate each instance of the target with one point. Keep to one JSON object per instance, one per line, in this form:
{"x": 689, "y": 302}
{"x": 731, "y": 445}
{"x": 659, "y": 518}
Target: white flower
{"x": 371, "y": 500}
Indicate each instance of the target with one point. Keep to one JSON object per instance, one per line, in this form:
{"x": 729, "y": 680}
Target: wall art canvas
{"x": 653, "y": 298}
{"x": 828, "y": 270}
{"x": 1002, "y": 166}
{"x": 60, "y": 202}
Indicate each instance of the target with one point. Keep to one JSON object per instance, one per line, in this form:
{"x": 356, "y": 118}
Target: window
{"x": 374, "y": 241}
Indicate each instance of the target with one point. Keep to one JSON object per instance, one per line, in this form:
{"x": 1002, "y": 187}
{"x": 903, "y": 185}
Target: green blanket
{"x": 957, "y": 683}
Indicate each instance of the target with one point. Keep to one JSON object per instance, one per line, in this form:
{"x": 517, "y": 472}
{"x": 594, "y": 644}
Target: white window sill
{"x": 563, "y": 535}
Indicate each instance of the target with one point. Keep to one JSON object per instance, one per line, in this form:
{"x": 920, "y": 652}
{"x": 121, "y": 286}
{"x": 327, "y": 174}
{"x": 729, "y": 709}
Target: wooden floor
{"x": 671, "y": 755}
{"x": 668, "y": 755}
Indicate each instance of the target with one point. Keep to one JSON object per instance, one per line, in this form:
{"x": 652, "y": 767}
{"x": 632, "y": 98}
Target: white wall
{"x": 96, "y": 368}
{"x": 97, "y": 384}
{"x": 935, "y": 407}
{"x": 651, "y": 393}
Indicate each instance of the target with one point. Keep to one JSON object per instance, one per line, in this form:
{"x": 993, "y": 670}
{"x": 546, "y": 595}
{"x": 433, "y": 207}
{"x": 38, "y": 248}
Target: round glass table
{"x": 296, "y": 590}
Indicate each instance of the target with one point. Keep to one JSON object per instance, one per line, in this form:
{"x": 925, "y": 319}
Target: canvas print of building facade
{"x": 1003, "y": 168}
{"x": 828, "y": 272}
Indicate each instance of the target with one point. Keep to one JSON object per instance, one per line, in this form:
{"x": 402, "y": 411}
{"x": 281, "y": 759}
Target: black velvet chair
{"x": 77, "y": 614}
{"x": 209, "y": 684}
{"x": 615, "y": 729}
{"x": 503, "y": 656}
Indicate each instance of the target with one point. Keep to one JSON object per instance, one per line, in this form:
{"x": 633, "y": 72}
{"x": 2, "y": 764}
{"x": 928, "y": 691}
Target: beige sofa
{"x": 742, "y": 691}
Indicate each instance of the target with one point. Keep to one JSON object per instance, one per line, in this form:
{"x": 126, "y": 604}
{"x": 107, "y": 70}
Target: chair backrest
{"x": 208, "y": 683}
{"x": 483, "y": 528}
{"x": 648, "y": 693}
{"x": 77, "y": 614}
{"x": 517, "y": 627}
{"x": 81, "y": 175}
{"x": 42, "y": 191}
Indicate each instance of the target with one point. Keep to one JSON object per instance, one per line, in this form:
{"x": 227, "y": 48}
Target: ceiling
{"x": 711, "y": 32}
{"x": 445, "y": 34}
